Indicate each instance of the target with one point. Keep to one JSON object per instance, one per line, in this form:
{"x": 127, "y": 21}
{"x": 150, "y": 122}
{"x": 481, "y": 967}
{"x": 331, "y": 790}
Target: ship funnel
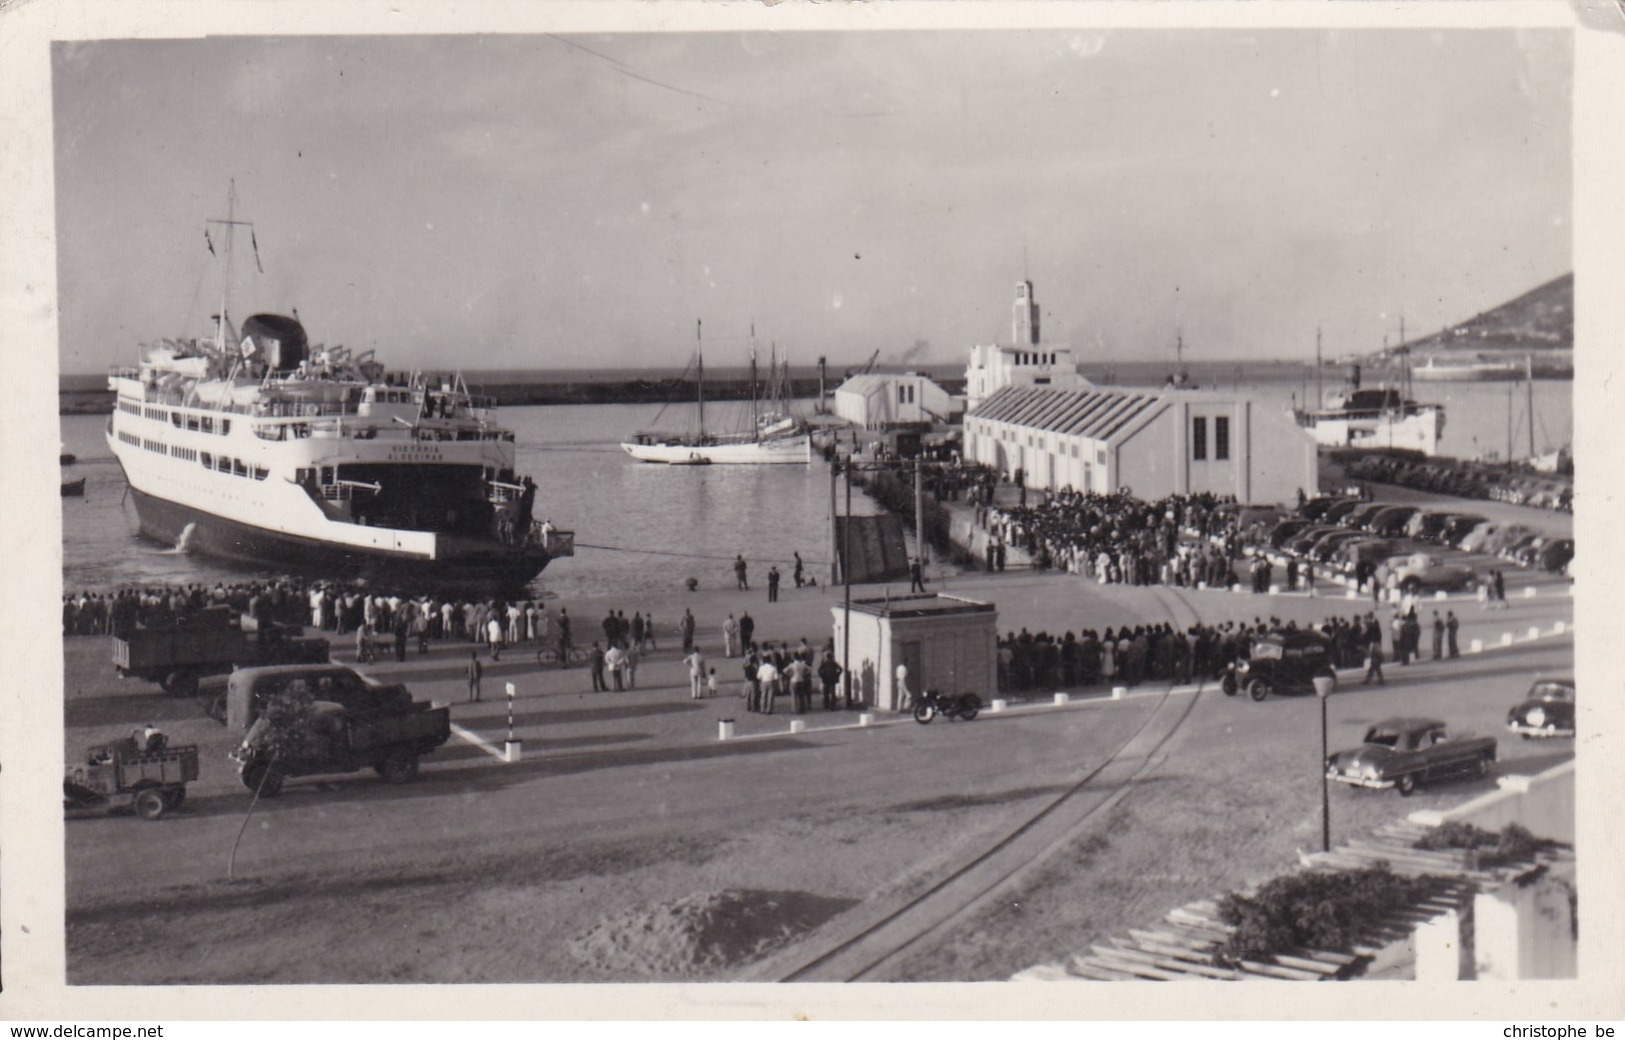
{"x": 275, "y": 339}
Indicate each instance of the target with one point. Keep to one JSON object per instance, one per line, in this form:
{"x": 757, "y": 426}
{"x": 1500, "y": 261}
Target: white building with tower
{"x": 1026, "y": 361}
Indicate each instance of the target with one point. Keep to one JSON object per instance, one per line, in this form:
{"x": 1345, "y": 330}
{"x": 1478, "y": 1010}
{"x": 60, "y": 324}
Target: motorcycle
{"x": 950, "y": 706}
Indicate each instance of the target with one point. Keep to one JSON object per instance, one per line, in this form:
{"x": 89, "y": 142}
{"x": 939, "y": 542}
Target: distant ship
{"x": 277, "y": 453}
{"x": 1380, "y": 418}
{"x": 1439, "y": 369}
{"x": 773, "y": 436}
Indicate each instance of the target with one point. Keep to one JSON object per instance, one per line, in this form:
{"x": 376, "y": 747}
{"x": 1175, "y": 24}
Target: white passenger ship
{"x": 257, "y": 447}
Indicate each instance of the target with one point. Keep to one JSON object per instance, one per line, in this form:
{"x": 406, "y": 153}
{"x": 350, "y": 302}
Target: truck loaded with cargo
{"x": 304, "y": 720}
{"x": 210, "y": 642}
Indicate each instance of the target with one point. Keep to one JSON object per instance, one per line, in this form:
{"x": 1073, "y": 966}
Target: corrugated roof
{"x": 1094, "y": 413}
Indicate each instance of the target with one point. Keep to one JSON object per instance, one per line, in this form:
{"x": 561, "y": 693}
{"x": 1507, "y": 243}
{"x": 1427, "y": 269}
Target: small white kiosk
{"x": 948, "y": 643}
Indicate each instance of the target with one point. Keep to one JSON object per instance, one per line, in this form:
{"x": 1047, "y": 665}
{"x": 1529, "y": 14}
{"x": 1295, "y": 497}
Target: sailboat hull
{"x": 796, "y": 450}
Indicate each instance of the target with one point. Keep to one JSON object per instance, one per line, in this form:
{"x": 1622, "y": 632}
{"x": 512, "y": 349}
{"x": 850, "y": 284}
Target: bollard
{"x": 1062, "y": 698}
{"x": 1119, "y": 692}
{"x": 725, "y": 729}
{"x": 1350, "y": 594}
{"x": 511, "y": 749}
{"x": 1534, "y": 631}
{"x": 999, "y": 705}
{"x": 1201, "y": 584}
{"x": 797, "y": 726}
{"x": 1506, "y": 638}
{"x": 1476, "y": 646}
{"x": 866, "y": 719}
{"x": 1559, "y": 628}
{"x": 1275, "y": 590}
{"x": 1528, "y": 592}
{"x": 1441, "y": 594}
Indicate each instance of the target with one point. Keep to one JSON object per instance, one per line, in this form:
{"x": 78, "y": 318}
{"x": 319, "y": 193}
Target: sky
{"x": 580, "y": 201}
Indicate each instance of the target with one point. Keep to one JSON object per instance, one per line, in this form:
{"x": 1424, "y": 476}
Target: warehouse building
{"x": 1147, "y": 443}
{"x": 879, "y": 400}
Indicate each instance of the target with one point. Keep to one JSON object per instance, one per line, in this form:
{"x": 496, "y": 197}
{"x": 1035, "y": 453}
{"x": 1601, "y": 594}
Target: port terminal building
{"x": 1144, "y": 442}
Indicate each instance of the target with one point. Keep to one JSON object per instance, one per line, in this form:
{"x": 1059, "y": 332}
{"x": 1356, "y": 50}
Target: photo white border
{"x": 31, "y": 849}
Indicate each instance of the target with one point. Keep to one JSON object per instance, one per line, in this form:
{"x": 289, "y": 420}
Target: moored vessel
{"x": 263, "y": 449}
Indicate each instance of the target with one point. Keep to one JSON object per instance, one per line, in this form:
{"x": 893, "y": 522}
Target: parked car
{"x": 1366, "y": 550}
{"x": 1554, "y": 558}
{"x": 1338, "y": 510}
{"x": 1357, "y": 518}
{"x": 1404, "y": 753}
{"x": 1301, "y": 542}
{"x": 1458, "y": 527}
{"x": 1287, "y": 529}
{"x": 1315, "y": 508}
{"x": 1281, "y": 662}
{"x": 1547, "y": 710}
{"x": 1425, "y": 571}
{"x": 1322, "y": 550}
{"x": 1478, "y": 539}
{"x": 1391, "y": 522}
{"x": 1507, "y": 536}
{"x": 1426, "y": 525}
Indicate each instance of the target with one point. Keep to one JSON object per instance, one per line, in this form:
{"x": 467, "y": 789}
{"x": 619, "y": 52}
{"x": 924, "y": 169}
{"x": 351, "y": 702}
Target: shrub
{"x": 1510, "y": 844}
{"x": 1319, "y": 910}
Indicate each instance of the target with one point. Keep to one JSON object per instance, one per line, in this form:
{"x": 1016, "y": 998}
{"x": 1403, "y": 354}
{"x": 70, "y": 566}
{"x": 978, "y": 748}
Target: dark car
{"x": 1286, "y": 529}
{"x": 1547, "y": 710}
{"x": 1316, "y": 508}
{"x": 1301, "y": 542}
{"x": 1557, "y": 555}
{"x": 1281, "y": 662}
{"x": 1391, "y": 522}
{"x": 1426, "y": 526}
{"x": 1356, "y": 518}
{"x": 1337, "y": 511}
{"x": 1323, "y": 549}
{"x": 1404, "y": 753}
{"x": 1459, "y": 527}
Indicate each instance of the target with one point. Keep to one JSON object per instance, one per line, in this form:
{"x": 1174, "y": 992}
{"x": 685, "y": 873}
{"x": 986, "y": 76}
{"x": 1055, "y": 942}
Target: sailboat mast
{"x": 699, "y": 377}
{"x": 1320, "y": 395}
{"x": 754, "y": 421}
{"x": 1529, "y": 406}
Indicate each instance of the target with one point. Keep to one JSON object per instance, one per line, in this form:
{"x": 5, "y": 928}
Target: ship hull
{"x": 785, "y": 450}
{"x": 472, "y": 566}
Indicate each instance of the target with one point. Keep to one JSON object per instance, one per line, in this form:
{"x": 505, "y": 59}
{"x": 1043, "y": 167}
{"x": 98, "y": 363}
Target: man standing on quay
{"x": 730, "y": 636}
{"x": 739, "y": 571}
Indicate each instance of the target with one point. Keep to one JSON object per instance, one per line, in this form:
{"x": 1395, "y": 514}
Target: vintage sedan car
{"x": 1391, "y": 522}
{"x": 1547, "y": 711}
{"x": 1404, "y": 753}
{"x": 1556, "y": 556}
{"x": 1280, "y": 662}
{"x": 1425, "y": 571}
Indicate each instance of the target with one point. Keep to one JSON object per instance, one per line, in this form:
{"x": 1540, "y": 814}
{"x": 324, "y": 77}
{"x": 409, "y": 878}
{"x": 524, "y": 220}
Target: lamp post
{"x": 1324, "y": 684}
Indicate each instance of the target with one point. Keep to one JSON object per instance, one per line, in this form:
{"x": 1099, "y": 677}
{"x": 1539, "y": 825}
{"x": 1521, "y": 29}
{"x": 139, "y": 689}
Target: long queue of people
{"x": 1130, "y": 655}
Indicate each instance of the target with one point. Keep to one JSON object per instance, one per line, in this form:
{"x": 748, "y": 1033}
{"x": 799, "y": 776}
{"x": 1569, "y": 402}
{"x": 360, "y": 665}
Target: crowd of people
{"x": 1129, "y": 655}
{"x": 1119, "y": 539}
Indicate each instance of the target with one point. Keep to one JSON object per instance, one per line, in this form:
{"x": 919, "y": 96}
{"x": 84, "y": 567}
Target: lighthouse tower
{"x": 1024, "y": 332}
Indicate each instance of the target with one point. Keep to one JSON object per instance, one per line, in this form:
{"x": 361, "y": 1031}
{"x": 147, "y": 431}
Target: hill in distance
{"x": 1539, "y": 321}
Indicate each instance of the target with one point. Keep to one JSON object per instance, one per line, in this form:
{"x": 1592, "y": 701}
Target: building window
{"x": 1199, "y": 438}
{"x": 1221, "y": 437}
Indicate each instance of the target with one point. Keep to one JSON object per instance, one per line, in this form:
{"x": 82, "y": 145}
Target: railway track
{"x": 878, "y": 939}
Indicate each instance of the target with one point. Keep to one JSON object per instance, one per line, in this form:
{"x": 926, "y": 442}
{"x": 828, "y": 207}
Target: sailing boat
{"x": 771, "y": 438}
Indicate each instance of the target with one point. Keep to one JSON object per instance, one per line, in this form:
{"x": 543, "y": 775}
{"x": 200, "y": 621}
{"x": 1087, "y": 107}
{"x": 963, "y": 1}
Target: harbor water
{"x": 644, "y": 528}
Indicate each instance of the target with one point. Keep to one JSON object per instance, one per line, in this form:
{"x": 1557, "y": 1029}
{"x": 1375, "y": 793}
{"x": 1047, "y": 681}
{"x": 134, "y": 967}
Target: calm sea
{"x": 645, "y": 528}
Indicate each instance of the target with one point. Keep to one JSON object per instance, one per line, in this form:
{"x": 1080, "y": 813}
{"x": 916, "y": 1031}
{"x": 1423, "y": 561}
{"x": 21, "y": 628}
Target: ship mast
{"x": 699, "y": 378}
{"x": 1529, "y": 406}
{"x": 1320, "y": 396}
{"x": 231, "y": 224}
{"x": 754, "y": 421}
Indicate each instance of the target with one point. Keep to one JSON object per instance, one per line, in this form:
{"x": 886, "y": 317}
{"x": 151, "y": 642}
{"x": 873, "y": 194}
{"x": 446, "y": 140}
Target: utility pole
{"x": 919, "y": 511}
{"x": 834, "y": 523}
{"x": 846, "y": 580}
